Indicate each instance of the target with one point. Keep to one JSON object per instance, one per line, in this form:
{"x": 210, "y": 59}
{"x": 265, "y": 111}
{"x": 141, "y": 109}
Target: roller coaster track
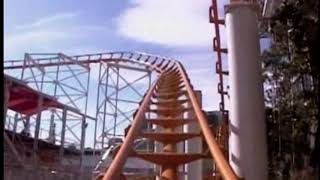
{"x": 165, "y": 98}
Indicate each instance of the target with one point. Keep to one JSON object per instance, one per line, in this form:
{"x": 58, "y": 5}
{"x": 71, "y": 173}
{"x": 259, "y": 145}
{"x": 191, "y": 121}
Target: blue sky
{"x": 178, "y": 29}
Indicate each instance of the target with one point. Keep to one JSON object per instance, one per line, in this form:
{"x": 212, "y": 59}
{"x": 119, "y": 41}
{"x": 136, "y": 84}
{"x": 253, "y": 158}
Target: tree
{"x": 292, "y": 86}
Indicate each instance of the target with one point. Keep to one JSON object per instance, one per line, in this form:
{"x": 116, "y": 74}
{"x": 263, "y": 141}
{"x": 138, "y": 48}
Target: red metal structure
{"x": 218, "y": 23}
{"x": 162, "y": 106}
{"x": 22, "y": 98}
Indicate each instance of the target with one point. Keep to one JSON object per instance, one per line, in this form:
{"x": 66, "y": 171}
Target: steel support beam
{"x": 82, "y": 144}
{"x": 51, "y": 136}
{"x": 63, "y": 133}
{"x": 105, "y": 106}
{"x": 15, "y": 122}
{"x": 97, "y": 113}
{"x": 37, "y": 131}
{"x": 116, "y": 104}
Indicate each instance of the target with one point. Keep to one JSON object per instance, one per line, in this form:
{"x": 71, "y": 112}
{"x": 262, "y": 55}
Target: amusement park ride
{"x": 57, "y": 86}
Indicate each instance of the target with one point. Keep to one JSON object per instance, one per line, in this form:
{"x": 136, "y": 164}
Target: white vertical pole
{"x": 247, "y": 141}
{"x": 63, "y": 133}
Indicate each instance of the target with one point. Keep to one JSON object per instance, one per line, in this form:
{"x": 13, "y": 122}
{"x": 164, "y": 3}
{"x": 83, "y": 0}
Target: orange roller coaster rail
{"x": 164, "y": 99}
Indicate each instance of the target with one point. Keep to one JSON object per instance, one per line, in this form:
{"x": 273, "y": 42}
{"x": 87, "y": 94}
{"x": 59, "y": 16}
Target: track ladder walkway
{"x": 167, "y": 104}
{"x": 167, "y": 99}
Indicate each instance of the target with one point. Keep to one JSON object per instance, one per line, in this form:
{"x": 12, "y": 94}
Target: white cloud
{"x": 39, "y": 40}
{"x": 166, "y": 22}
{"x": 48, "y": 20}
{"x": 54, "y": 33}
{"x": 179, "y": 23}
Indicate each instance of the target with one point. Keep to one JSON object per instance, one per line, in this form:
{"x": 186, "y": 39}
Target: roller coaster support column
{"x": 247, "y": 141}
{"x": 6, "y": 101}
{"x": 82, "y": 143}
